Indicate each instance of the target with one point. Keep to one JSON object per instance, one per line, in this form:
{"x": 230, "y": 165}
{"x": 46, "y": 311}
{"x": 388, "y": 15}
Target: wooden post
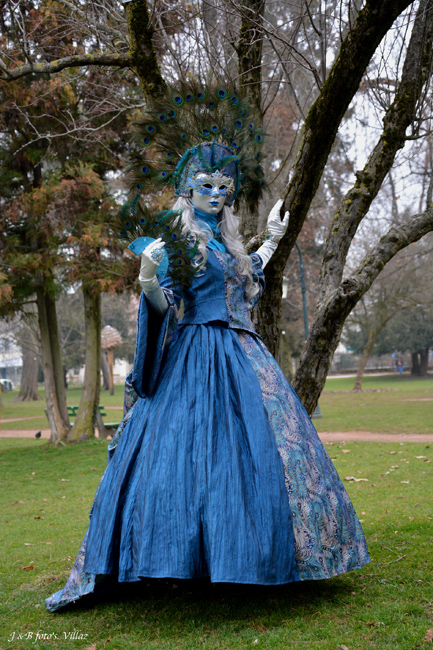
{"x": 110, "y": 359}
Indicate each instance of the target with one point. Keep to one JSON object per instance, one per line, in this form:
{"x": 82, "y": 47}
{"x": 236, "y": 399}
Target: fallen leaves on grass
{"x": 345, "y": 451}
{"x": 353, "y": 478}
{"x": 28, "y": 544}
{"x": 91, "y": 647}
{"x": 429, "y": 636}
{"x": 27, "y": 568}
{"x": 405, "y": 482}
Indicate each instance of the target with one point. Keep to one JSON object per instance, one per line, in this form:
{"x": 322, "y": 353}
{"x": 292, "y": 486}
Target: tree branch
{"x": 321, "y": 125}
{"x": 356, "y": 203}
{"x": 74, "y": 61}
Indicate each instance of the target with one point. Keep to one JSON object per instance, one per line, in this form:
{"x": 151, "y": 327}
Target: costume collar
{"x": 209, "y": 219}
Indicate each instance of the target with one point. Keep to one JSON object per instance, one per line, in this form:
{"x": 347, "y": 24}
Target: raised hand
{"x": 275, "y": 226}
{"x": 151, "y": 258}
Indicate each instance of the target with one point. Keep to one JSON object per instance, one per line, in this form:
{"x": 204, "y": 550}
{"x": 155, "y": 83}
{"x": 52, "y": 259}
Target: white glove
{"x": 276, "y": 230}
{"x": 149, "y": 264}
{"x": 148, "y": 280}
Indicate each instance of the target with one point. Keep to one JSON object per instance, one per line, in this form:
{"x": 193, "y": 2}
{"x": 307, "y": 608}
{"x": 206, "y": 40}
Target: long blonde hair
{"x": 229, "y": 226}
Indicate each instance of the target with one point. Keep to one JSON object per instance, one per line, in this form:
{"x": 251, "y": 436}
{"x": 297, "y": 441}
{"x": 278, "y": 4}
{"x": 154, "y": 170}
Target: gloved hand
{"x": 276, "y": 229}
{"x": 275, "y": 226}
{"x": 150, "y": 259}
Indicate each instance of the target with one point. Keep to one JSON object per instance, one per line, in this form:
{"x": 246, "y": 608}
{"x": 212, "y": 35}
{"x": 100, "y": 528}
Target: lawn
{"x": 45, "y": 496}
{"x": 386, "y": 410}
{"x": 390, "y": 404}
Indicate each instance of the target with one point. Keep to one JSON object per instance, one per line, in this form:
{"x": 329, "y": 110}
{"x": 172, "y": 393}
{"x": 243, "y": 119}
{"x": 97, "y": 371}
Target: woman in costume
{"x": 216, "y": 469}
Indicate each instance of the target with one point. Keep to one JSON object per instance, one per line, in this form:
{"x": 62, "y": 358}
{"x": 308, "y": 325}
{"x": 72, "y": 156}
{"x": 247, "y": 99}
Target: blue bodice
{"x": 218, "y": 293}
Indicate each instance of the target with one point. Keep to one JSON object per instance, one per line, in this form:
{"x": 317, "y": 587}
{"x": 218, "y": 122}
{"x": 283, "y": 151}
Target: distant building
{"x": 11, "y": 359}
{"x": 121, "y": 368}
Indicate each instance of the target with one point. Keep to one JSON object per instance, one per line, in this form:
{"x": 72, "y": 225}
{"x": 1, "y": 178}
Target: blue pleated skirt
{"x": 196, "y": 486}
{"x": 219, "y": 473}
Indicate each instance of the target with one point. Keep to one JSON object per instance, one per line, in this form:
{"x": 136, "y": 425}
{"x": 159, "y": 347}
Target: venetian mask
{"x": 210, "y": 191}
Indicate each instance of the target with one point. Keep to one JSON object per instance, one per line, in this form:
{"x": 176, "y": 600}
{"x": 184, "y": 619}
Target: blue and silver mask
{"x": 210, "y": 191}
{"x": 215, "y": 161}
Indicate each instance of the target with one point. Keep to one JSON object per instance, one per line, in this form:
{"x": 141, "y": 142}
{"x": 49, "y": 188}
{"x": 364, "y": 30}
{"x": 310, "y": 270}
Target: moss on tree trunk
{"x": 141, "y": 49}
{"x": 52, "y": 366}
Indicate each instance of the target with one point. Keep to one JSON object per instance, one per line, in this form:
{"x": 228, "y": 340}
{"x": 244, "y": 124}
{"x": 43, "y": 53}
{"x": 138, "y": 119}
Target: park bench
{"x": 73, "y": 410}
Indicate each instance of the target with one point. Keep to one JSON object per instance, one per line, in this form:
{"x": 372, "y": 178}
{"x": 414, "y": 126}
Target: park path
{"x": 372, "y": 436}
{"x": 325, "y": 436}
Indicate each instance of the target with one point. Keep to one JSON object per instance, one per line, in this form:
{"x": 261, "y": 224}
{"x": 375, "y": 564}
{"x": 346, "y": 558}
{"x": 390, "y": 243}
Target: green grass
{"x": 384, "y": 412}
{"x": 387, "y": 605}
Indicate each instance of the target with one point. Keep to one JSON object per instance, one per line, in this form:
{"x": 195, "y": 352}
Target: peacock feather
{"x": 182, "y": 119}
{"x": 136, "y": 222}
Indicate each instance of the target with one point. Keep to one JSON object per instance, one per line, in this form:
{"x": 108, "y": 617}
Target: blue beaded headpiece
{"x": 208, "y": 158}
{"x": 166, "y": 142}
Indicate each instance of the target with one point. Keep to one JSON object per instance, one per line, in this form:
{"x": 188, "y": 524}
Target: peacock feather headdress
{"x": 197, "y": 129}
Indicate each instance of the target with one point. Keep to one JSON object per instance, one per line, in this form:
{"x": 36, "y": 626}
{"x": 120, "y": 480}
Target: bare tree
{"x": 395, "y": 289}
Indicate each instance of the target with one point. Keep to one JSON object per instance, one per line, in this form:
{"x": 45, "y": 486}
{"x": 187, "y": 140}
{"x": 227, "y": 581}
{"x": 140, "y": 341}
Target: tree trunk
{"x": 423, "y": 363}
{"x": 415, "y": 365}
{"x": 105, "y": 371}
{"x": 311, "y": 373}
{"x": 141, "y": 49}
{"x": 59, "y": 372}
{"x": 368, "y": 349}
{"x": 110, "y": 360}
{"x": 102, "y": 429}
{"x": 321, "y": 126}
{"x": 249, "y": 51}
{"x": 285, "y": 358}
{"x": 356, "y": 203}
{"x": 332, "y": 311}
{"x": 53, "y": 375}
{"x": 29, "y": 376}
{"x": 86, "y": 417}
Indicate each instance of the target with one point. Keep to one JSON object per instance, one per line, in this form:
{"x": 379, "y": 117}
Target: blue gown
{"x": 216, "y": 469}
